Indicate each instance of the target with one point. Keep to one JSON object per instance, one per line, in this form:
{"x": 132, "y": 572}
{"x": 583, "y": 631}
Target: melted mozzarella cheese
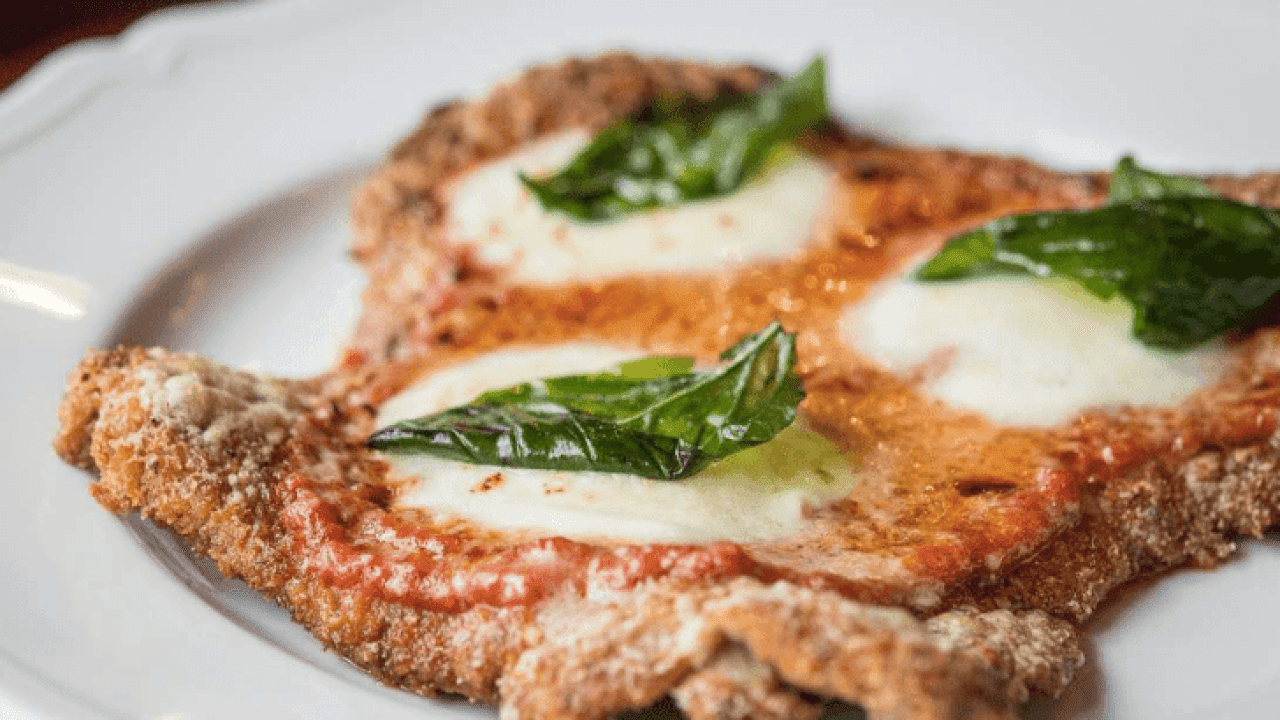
{"x": 757, "y": 494}
{"x": 771, "y": 216}
{"x": 1022, "y": 351}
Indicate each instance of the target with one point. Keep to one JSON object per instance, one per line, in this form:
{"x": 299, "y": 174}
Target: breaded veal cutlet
{"x": 949, "y": 583}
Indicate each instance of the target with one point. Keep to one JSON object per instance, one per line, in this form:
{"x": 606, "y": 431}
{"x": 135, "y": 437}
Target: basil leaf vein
{"x": 653, "y": 417}
{"x": 1193, "y": 265}
{"x": 686, "y": 151}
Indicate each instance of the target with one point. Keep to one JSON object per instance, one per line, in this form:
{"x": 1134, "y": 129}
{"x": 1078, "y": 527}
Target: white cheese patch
{"x": 1023, "y": 351}
{"x": 757, "y": 494}
{"x": 771, "y": 216}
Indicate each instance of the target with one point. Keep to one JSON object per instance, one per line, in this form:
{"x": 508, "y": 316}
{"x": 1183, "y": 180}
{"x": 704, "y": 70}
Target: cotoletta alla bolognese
{"x": 670, "y": 384}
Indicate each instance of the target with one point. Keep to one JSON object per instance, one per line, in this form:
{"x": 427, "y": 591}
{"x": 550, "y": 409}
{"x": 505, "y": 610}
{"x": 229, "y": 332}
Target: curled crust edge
{"x": 200, "y": 449}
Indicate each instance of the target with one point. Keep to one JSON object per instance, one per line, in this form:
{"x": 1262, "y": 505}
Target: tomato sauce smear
{"x": 946, "y": 495}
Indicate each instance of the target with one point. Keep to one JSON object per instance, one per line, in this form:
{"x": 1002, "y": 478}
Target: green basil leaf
{"x": 684, "y": 152}
{"x": 1192, "y": 267}
{"x": 545, "y": 438}
{"x": 1129, "y": 182}
{"x": 655, "y": 366}
{"x": 646, "y": 409}
{"x": 743, "y": 403}
{"x": 608, "y": 383}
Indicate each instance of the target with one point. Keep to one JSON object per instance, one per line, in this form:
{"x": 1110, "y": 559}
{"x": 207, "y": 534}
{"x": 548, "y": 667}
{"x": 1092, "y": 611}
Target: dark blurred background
{"x": 41, "y": 27}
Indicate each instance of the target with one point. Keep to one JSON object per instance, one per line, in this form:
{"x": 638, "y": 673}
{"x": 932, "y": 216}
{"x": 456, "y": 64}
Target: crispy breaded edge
{"x": 1161, "y": 515}
{"x": 205, "y": 451}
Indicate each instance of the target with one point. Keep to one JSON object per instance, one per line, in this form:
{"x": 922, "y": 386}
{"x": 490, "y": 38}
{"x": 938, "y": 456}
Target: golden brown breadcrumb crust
{"x": 1161, "y": 515}
{"x": 209, "y": 452}
{"x": 206, "y": 451}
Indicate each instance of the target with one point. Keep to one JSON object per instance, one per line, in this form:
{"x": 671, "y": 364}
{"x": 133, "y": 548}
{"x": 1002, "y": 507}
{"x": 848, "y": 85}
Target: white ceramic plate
{"x": 196, "y": 173}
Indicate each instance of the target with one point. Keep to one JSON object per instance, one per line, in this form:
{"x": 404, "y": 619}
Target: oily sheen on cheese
{"x": 757, "y": 494}
{"x": 1022, "y": 351}
{"x": 489, "y": 209}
